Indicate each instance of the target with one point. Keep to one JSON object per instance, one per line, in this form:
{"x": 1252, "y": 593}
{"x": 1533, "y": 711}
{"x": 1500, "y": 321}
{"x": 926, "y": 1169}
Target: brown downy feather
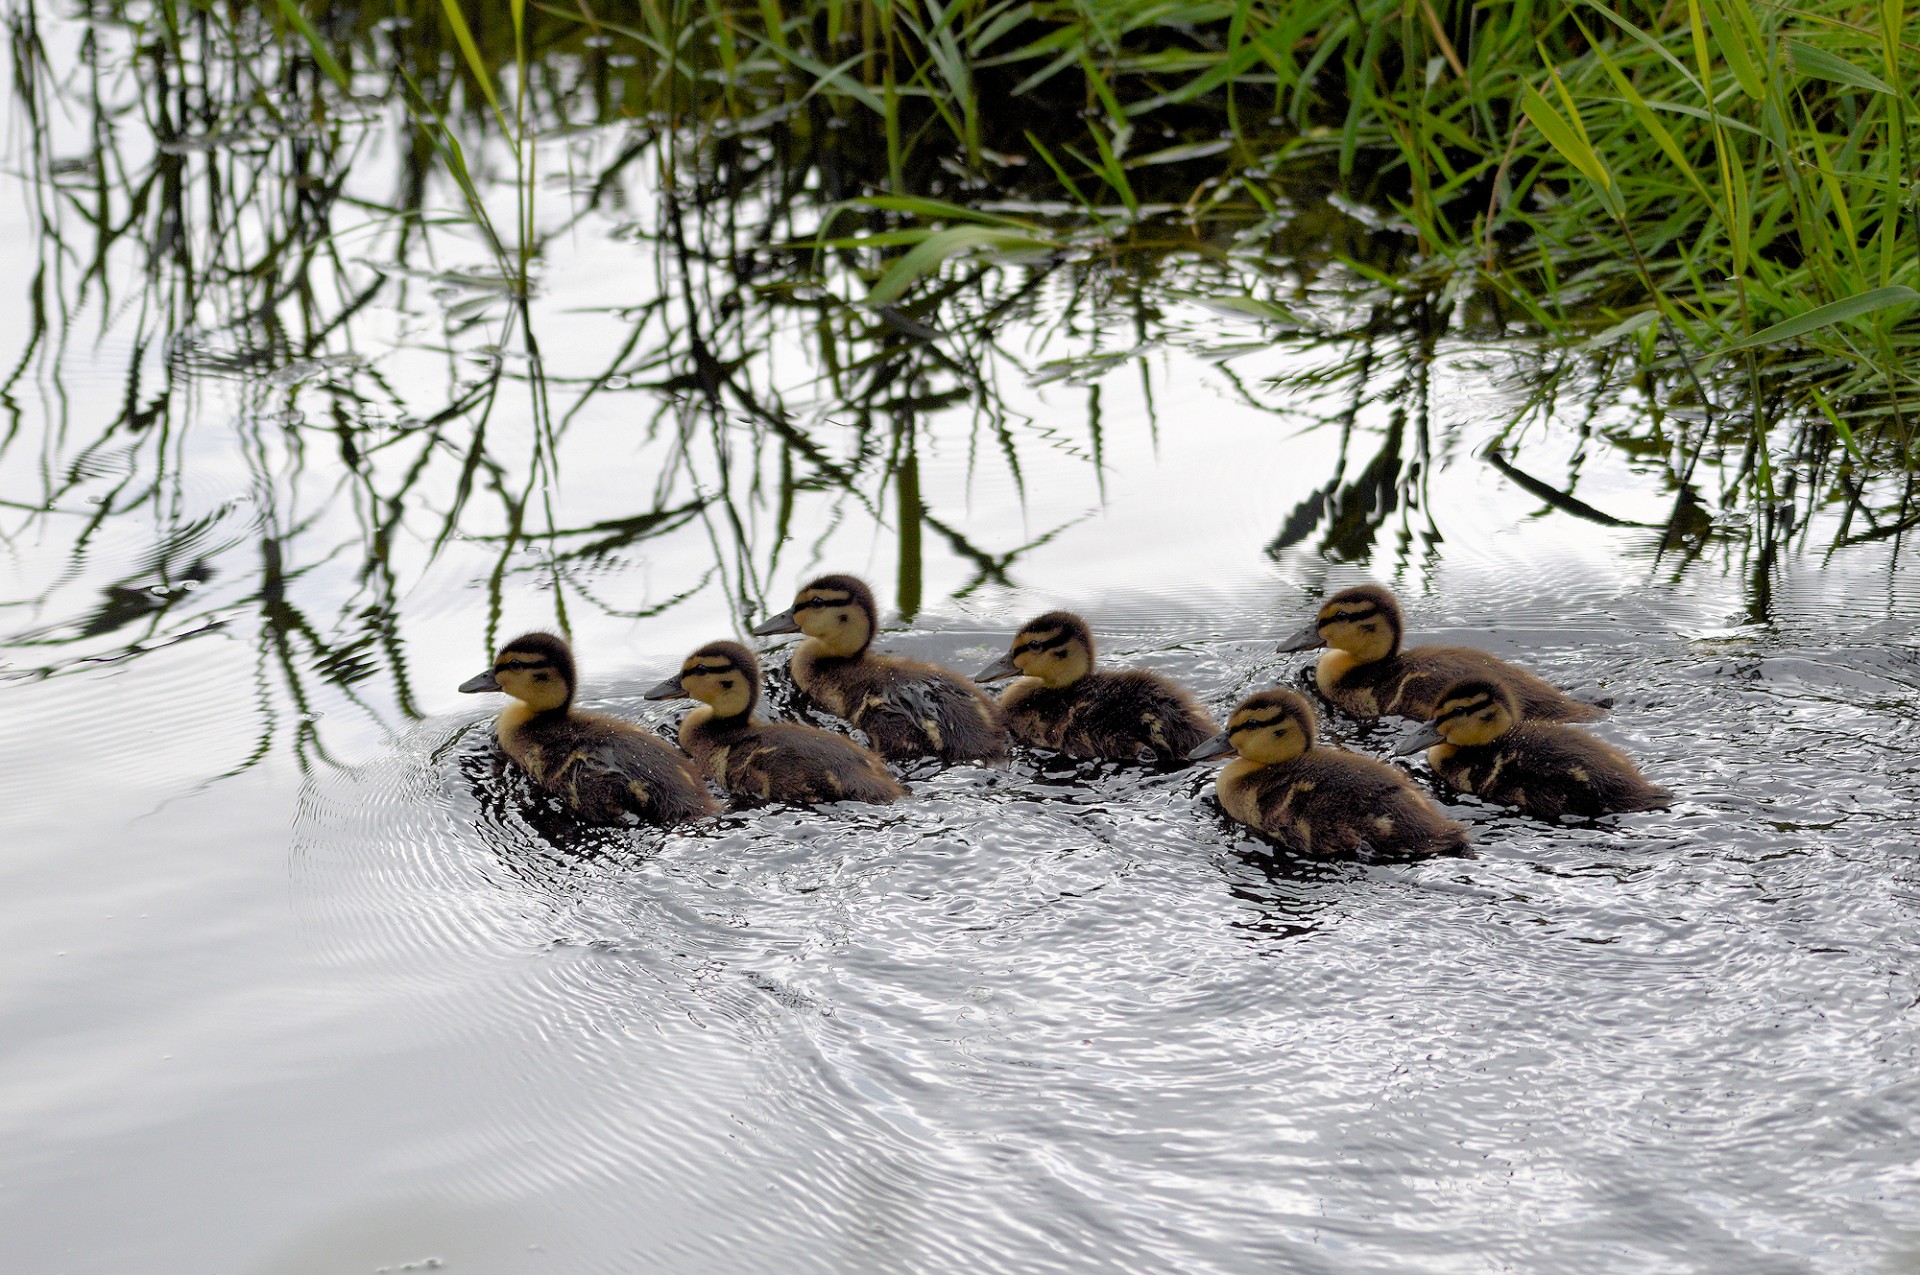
{"x": 1407, "y": 682}
{"x": 908, "y": 708}
{"x": 1331, "y": 803}
{"x": 1120, "y": 714}
{"x": 1409, "y": 685}
{"x": 603, "y": 768}
{"x": 776, "y": 761}
{"x": 1321, "y": 801}
{"x": 1543, "y": 768}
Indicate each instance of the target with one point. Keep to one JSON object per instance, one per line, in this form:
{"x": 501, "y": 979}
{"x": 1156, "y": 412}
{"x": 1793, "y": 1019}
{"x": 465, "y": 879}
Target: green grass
{"x": 1713, "y": 193}
{"x": 1698, "y": 259}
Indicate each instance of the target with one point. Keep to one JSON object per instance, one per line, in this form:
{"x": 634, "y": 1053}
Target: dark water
{"x": 298, "y": 982}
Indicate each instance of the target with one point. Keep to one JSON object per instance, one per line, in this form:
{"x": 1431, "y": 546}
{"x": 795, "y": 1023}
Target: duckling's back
{"x": 1105, "y": 714}
{"x": 1327, "y": 803}
{"x": 799, "y": 765}
{"x": 1550, "y": 770}
{"x": 606, "y": 769}
{"x": 906, "y": 707}
{"x": 1411, "y": 683}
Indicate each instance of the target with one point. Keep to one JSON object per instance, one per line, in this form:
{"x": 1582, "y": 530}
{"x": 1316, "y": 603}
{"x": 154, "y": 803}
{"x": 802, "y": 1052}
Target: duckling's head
{"x": 1269, "y": 728}
{"x": 1057, "y": 648}
{"x": 535, "y": 668}
{"x": 1471, "y": 712}
{"x": 1364, "y": 621}
{"x": 725, "y": 676}
{"x": 836, "y": 611}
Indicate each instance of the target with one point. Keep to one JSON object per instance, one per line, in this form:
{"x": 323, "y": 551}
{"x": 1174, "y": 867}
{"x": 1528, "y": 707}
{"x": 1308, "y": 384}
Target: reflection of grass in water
{"x": 249, "y": 198}
{"x": 1681, "y": 180}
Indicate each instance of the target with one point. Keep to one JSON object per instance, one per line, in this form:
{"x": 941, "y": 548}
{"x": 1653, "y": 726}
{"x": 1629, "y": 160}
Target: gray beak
{"x": 782, "y": 623}
{"x": 1213, "y": 746}
{"x": 1426, "y": 739}
{"x": 669, "y": 689}
{"x": 1002, "y": 667}
{"x": 483, "y": 682}
{"x": 1306, "y": 639}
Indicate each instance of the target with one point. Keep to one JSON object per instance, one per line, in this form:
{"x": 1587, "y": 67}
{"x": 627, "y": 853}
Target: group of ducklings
{"x": 1495, "y": 730}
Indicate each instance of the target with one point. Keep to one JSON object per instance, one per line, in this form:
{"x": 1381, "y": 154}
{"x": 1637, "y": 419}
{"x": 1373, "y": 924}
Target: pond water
{"x": 298, "y": 982}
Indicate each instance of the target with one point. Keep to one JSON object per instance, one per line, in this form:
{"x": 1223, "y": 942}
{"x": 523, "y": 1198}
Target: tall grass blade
{"x": 1826, "y": 316}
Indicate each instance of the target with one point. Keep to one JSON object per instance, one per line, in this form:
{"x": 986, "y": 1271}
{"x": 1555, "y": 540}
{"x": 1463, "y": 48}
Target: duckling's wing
{"x": 932, "y": 712}
{"x": 912, "y": 701}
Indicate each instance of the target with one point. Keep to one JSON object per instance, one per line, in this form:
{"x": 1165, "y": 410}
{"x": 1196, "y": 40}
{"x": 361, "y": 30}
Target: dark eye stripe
{"x": 1465, "y": 710}
{"x": 518, "y": 663}
{"x": 710, "y": 670}
{"x": 1255, "y": 723}
{"x": 1044, "y": 644}
{"x": 839, "y": 601}
{"x": 1348, "y": 616}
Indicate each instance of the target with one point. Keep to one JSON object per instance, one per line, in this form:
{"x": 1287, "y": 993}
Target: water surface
{"x": 300, "y": 980}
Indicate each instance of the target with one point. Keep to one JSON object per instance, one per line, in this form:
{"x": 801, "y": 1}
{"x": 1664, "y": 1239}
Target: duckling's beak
{"x": 1213, "y": 746}
{"x": 1305, "y": 640}
{"x": 782, "y": 623}
{"x": 483, "y": 682}
{"x": 1426, "y": 739}
{"x": 669, "y": 689}
{"x": 1002, "y": 667}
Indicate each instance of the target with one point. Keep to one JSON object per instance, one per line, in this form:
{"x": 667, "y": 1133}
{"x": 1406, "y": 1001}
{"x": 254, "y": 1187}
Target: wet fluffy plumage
{"x": 1321, "y": 801}
{"x": 1543, "y": 768}
{"x": 1368, "y": 674}
{"x": 908, "y": 708}
{"x": 767, "y": 761}
{"x": 1086, "y": 711}
{"x": 603, "y": 768}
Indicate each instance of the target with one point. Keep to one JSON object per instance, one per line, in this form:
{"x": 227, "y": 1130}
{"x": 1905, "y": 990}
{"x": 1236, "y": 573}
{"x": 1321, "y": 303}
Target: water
{"x": 298, "y": 980}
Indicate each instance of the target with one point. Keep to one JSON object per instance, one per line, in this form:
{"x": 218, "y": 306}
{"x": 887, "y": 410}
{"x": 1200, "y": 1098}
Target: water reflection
{"x": 284, "y": 379}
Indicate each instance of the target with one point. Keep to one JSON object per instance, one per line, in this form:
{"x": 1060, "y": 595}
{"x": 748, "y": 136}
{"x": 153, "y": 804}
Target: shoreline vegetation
{"x": 1714, "y": 196}
{"x": 1685, "y": 229}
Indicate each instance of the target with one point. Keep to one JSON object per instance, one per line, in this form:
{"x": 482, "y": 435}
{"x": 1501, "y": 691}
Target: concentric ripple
{"x": 1066, "y": 1017}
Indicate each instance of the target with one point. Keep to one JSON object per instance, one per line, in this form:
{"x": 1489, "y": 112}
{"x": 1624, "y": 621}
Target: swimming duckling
{"x": 1369, "y": 675}
{"x": 1319, "y": 801}
{"x": 907, "y": 708}
{"x": 766, "y": 761}
{"x": 603, "y": 768}
{"x": 1062, "y": 702}
{"x": 1478, "y": 744}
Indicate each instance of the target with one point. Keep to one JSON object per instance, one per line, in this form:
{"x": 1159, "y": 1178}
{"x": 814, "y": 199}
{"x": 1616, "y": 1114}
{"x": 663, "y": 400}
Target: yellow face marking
{"x": 832, "y": 618}
{"x": 719, "y": 683}
{"x": 1360, "y": 628}
{"x": 1472, "y": 720}
{"x": 1267, "y": 735}
{"x": 1054, "y": 656}
{"x": 533, "y": 679}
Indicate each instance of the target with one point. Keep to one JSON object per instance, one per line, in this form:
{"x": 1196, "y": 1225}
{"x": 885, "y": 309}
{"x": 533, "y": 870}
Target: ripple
{"x": 1052, "y": 1016}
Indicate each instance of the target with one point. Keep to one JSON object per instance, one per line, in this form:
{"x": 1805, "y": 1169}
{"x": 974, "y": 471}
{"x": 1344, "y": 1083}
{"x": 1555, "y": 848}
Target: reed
{"x": 1709, "y": 246}
{"x": 1721, "y": 188}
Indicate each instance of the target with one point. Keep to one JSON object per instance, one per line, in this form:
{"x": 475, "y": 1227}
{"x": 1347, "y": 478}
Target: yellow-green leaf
{"x": 1826, "y": 316}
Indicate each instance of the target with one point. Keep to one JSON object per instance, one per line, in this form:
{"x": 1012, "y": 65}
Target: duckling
{"x": 1369, "y": 675}
{"x": 766, "y": 761}
{"x": 1063, "y": 702}
{"x": 603, "y": 768}
{"x": 1319, "y": 801}
{"x": 907, "y": 708}
{"x": 1478, "y": 744}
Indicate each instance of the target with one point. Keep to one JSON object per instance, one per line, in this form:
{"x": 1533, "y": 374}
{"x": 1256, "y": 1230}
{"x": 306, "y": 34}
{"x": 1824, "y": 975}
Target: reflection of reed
{"x": 220, "y": 223}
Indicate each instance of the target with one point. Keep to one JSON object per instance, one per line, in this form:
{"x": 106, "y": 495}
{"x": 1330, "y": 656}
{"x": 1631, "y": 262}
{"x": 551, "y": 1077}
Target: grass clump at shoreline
{"x": 1714, "y": 194}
